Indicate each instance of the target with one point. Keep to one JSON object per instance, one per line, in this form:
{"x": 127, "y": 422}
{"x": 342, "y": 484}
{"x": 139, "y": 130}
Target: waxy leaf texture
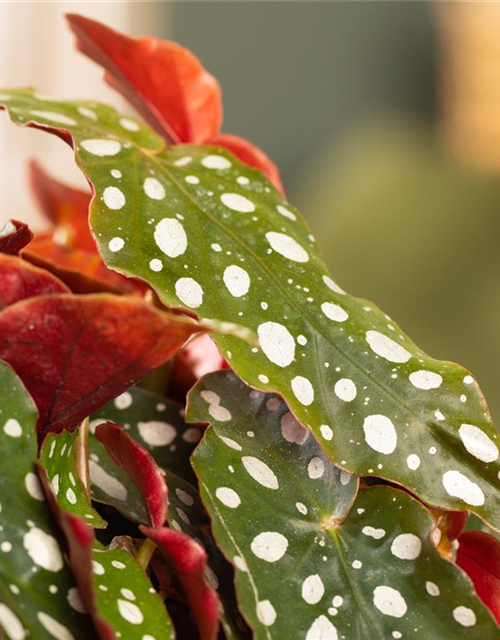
{"x": 304, "y": 570}
{"x": 213, "y": 236}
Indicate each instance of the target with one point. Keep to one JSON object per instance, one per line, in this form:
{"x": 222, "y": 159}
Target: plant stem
{"x": 82, "y": 456}
{"x": 145, "y": 554}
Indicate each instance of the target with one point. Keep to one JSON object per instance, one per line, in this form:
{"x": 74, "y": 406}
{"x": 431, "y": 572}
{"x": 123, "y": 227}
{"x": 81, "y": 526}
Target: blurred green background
{"x": 345, "y": 97}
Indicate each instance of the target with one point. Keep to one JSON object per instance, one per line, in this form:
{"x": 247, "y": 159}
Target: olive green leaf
{"x": 213, "y": 236}
{"x": 58, "y": 458}
{"x": 304, "y": 569}
{"x": 38, "y": 597}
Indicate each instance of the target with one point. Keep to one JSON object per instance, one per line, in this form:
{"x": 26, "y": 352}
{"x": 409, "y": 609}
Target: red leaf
{"x": 141, "y": 468}
{"x": 79, "y": 538}
{"x": 75, "y": 353}
{"x": 250, "y": 154}
{"x": 82, "y": 271}
{"x": 189, "y": 562}
{"x": 165, "y": 82}
{"x": 14, "y": 236}
{"x": 19, "y": 279}
{"x": 479, "y": 556}
{"x": 67, "y": 208}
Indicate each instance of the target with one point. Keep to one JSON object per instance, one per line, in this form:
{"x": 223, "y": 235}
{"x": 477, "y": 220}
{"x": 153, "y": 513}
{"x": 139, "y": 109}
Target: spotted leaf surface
{"x": 126, "y": 598}
{"x": 212, "y": 236}
{"x": 38, "y": 597}
{"x": 157, "y": 424}
{"x": 73, "y": 353}
{"x": 303, "y": 571}
{"x": 58, "y": 458}
{"x": 112, "y": 485}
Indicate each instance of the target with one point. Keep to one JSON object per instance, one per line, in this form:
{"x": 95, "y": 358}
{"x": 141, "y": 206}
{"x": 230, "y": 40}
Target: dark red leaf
{"x": 19, "y": 279}
{"x": 479, "y": 556}
{"x": 82, "y": 271}
{"x": 14, "y": 236}
{"x": 141, "y": 468}
{"x": 66, "y": 207}
{"x": 75, "y": 353}
{"x": 250, "y": 154}
{"x": 78, "y": 537}
{"x": 189, "y": 563}
{"x": 165, "y": 82}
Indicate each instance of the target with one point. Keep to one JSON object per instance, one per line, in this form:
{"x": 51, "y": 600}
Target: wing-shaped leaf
{"x": 19, "y": 279}
{"x": 212, "y": 235}
{"x": 141, "y": 468}
{"x": 66, "y": 207}
{"x": 14, "y": 235}
{"x": 165, "y": 82}
{"x": 74, "y": 353}
{"x": 478, "y": 555}
{"x": 58, "y": 458}
{"x": 37, "y": 594}
{"x": 305, "y": 570}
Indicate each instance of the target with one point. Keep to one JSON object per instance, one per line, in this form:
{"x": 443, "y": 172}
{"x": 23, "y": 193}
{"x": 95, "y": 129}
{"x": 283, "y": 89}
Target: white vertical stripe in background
{"x": 37, "y": 49}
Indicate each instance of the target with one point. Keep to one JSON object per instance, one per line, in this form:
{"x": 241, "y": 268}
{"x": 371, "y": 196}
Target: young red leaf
{"x": 479, "y": 556}
{"x": 19, "y": 280}
{"x": 141, "y": 468}
{"x": 14, "y": 236}
{"x": 66, "y": 207}
{"x": 82, "y": 271}
{"x": 249, "y": 154}
{"x": 74, "y": 353}
{"x": 189, "y": 562}
{"x": 165, "y": 82}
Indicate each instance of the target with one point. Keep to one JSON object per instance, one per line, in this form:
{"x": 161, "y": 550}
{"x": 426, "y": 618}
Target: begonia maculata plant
{"x": 202, "y": 435}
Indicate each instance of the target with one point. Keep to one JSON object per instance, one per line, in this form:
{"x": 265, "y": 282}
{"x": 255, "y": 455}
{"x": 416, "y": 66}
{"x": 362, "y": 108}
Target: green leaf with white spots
{"x": 126, "y": 599}
{"x": 37, "y": 592}
{"x": 58, "y": 458}
{"x": 304, "y": 569}
{"x": 213, "y": 236}
{"x": 157, "y": 424}
{"x": 111, "y": 485}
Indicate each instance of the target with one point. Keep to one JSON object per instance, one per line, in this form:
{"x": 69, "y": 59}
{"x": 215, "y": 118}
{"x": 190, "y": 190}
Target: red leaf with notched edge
{"x": 82, "y": 271}
{"x": 75, "y": 353}
{"x": 249, "y": 154}
{"x": 66, "y": 207}
{"x": 165, "y": 82}
{"x": 14, "y": 235}
{"x": 479, "y": 556}
{"x": 19, "y": 279}
{"x": 78, "y": 538}
{"x": 189, "y": 563}
{"x": 140, "y": 467}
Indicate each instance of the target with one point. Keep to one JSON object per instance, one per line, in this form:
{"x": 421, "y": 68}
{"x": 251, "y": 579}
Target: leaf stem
{"x": 82, "y": 456}
{"x": 145, "y": 554}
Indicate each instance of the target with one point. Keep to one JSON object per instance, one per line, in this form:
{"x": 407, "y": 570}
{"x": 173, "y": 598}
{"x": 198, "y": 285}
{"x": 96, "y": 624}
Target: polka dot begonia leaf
{"x": 58, "y": 458}
{"x": 126, "y": 598}
{"x": 112, "y": 485}
{"x": 38, "y": 597}
{"x": 214, "y": 237}
{"x": 278, "y": 505}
